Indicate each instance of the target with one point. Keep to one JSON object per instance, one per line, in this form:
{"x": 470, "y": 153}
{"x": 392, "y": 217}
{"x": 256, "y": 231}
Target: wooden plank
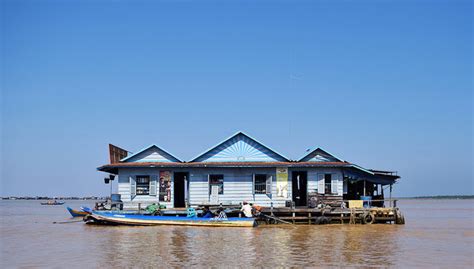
{"x": 116, "y": 153}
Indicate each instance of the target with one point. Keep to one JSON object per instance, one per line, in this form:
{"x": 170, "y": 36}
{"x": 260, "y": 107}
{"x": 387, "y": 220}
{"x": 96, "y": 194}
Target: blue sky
{"x": 384, "y": 84}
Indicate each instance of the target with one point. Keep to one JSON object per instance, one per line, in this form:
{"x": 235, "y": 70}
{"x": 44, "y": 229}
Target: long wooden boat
{"x": 78, "y": 213}
{"x": 52, "y": 203}
{"x": 140, "y": 220}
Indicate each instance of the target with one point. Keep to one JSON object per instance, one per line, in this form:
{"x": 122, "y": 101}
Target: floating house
{"x": 238, "y": 169}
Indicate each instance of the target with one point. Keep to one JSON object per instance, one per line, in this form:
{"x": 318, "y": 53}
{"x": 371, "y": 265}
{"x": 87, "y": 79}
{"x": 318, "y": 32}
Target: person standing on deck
{"x": 246, "y": 209}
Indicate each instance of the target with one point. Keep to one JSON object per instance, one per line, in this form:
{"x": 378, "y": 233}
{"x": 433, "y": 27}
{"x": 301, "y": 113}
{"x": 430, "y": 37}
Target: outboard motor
{"x": 116, "y": 200}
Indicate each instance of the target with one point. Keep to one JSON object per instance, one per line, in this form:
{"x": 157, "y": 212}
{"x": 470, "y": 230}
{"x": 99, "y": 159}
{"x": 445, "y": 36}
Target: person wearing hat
{"x": 246, "y": 209}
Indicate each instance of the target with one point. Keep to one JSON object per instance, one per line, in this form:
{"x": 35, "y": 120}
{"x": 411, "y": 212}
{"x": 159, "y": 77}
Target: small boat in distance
{"x": 84, "y": 211}
{"x": 114, "y": 218}
{"x": 52, "y": 202}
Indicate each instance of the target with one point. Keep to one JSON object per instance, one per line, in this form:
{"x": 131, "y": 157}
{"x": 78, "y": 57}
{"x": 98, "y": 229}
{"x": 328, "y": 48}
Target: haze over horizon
{"x": 385, "y": 85}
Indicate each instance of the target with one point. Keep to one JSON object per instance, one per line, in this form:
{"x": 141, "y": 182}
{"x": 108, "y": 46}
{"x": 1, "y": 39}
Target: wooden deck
{"x": 306, "y": 215}
{"x": 302, "y": 215}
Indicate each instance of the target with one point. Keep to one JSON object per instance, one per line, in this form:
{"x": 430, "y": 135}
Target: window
{"x": 143, "y": 185}
{"x": 216, "y": 180}
{"x": 327, "y": 183}
{"x": 260, "y": 184}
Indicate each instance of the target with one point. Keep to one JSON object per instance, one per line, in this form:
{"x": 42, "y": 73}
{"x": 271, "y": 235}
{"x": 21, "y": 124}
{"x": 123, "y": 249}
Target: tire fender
{"x": 368, "y": 218}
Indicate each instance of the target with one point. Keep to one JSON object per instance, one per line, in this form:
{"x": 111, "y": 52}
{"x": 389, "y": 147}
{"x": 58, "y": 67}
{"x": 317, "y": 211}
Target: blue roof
{"x": 240, "y": 147}
{"x": 162, "y": 152}
{"x": 320, "y": 150}
{"x": 362, "y": 169}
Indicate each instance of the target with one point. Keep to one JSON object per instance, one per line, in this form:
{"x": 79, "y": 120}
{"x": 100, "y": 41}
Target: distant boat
{"x": 84, "y": 211}
{"x": 53, "y": 203}
{"x": 141, "y": 220}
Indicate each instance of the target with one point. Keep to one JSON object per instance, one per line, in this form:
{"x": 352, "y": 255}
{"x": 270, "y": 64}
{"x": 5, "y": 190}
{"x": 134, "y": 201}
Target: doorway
{"x": 180, "y": 182}
{"x": 299, "y": 182}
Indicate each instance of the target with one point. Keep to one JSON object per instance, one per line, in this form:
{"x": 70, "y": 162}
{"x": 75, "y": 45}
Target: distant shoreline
{"x": 439, "y": 197}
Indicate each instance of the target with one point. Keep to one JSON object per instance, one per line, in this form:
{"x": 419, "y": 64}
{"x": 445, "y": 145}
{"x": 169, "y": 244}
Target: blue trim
{"x": 234, "y": 135}
{"x": 362, "y": 169}
{"x": 147, "y": 148}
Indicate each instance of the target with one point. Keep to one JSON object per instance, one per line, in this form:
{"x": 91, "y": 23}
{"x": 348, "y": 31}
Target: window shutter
{"x": 133, "y": 187}
{"x": 153, "y": 180}
{"x": 268, "y": 186}
{"x": 209, "y": 186}
{"x": 340, "y": 184}
{"x": 321, "y": 183}
{"x": 344, "y": 186}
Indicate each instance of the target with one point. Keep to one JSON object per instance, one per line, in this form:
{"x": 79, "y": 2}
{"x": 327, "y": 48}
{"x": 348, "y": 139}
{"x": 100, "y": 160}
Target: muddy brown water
{"x": 438, "y": 233}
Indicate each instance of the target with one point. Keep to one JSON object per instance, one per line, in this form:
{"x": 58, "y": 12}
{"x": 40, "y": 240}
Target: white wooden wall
{"x": 124, "y": 187}
{"x": 238, "y": 185}
{"x": 336, "y": 175}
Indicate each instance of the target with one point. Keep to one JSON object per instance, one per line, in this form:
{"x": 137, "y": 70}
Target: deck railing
{"x": 391, "y": 201}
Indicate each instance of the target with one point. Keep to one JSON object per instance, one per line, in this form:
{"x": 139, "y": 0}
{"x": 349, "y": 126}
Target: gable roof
{"x": 152, "y": 153}
{"x": 240, "y": 147}
{"x": 320, "y": 155}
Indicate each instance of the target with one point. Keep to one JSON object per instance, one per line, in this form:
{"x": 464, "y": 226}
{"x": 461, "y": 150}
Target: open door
{"x": 299, "y": 182}
{"x": 180, "y": 181}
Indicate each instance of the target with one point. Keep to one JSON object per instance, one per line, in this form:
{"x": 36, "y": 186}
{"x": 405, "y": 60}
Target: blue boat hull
{"x": 77, "y": 213}
{"x": 140, "y": 220}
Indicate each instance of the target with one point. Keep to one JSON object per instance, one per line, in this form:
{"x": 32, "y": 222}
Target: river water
{"x": 438, "y": 233}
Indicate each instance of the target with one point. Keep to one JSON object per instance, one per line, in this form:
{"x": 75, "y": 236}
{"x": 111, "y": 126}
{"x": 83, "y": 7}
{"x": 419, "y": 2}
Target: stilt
{"x": 390, "y": 195}
{"x": 364, "y": 187}
{"x": 352, "y": 217}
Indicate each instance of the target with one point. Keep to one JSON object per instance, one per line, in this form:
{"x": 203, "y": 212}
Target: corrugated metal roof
{"x": 111, "y": 167}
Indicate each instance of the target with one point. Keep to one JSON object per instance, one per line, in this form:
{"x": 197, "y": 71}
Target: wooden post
{"x": 364, "y": 187}
{"x": 383, "y": 195}
{"x": 309, "y": 217}
{"x": 271, "y": 209}
{"x": 139, "y": 208}
{"x": 390, "y": 195}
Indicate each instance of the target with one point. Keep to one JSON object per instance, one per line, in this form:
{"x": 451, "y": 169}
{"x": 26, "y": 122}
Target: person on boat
{"x": 246, "y": 209}
{"x": 207, "y": 213}
{"x": 256, "y": 209}
{"x": 100, "y": 206}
